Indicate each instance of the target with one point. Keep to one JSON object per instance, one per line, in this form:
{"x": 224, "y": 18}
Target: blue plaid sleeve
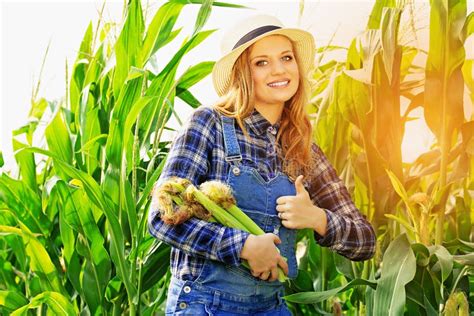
{"x": 348, "y": 232}
{"x": 189, "y": 158}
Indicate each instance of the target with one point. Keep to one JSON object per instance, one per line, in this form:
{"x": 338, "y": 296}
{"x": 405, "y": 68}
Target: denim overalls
{"x": 222, "y": 289}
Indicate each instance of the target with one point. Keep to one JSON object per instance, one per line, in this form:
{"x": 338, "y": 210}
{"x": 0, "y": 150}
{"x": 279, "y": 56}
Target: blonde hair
{"x": 294, "y": 135}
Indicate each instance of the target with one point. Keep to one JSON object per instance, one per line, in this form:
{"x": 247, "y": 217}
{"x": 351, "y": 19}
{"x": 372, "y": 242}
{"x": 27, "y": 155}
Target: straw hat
{"x": 247, "y": 32}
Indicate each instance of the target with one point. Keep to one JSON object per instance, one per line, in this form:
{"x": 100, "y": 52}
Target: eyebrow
{"x": 259, "y": 56}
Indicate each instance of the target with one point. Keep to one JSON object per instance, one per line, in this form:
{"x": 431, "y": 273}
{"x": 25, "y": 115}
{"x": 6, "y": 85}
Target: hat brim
{"x": 303, "y": 44}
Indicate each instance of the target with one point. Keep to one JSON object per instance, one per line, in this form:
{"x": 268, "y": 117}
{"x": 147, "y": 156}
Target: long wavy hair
{"x": 295, "y": 132}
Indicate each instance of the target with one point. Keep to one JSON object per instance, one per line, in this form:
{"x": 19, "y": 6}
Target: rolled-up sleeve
{"x": 347, "y": 232}
{"x": 189, "y": 158}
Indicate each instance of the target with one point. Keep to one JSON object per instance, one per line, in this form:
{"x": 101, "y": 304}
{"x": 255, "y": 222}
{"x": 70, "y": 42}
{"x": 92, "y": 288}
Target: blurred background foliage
{"x": 73, "y": 227}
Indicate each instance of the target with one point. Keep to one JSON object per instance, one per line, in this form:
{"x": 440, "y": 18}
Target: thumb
{"x": 299, "y": 186}
{"x": 276, "y": 239}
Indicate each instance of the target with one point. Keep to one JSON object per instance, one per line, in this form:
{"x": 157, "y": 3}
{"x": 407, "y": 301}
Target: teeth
{"x": 278, "y": 84}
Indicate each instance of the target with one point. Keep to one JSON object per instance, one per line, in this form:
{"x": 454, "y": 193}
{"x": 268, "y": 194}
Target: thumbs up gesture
{"x": 298, "y": 211}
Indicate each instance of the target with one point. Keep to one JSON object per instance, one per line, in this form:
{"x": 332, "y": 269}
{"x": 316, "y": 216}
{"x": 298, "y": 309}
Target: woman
{"x": 257, "y": 139}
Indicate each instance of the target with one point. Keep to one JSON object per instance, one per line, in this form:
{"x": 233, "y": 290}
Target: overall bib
{"x": 223, "y": 289}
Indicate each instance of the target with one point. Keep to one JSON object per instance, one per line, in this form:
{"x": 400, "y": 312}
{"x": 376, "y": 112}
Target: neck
{"x": 271, "y": 112}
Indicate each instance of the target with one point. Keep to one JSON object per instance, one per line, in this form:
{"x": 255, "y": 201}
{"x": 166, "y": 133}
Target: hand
{"x": 298, "y": 211}
{"x": 263, "y": 256}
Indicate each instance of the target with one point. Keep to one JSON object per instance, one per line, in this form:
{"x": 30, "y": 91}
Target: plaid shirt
{"x": 198, "y": 153}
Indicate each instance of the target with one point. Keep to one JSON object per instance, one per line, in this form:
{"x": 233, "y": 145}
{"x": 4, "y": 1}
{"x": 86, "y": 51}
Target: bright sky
{"x": 28, "y": 26}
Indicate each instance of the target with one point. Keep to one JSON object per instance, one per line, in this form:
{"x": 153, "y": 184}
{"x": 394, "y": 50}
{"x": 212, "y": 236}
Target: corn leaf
{"x": 203, "y": 15}
{"x": 399, "y": 269}
{"x": 160, "y": 30}
{"x": 468, "y": 28}
{"x": 193, "y": 75}
{"x": 216, "y": 3}
{"x": 443, "y": 106}
{"x": 316, "y": 297}
{"x": 26, "y": 162}
{"x": 128, "y": 45}
{"x": 37, "y": 108}
{"x": 96, "y": 196}
{"x": 376, "y": 14}
{"x": 24, "y": 203}
{"x": 444, "y": 262}
{"x": 12, "y": 300}
{"x": 57, "y": 137}
{"x": 58, "y": 304}
{"x": 80, "y": 69}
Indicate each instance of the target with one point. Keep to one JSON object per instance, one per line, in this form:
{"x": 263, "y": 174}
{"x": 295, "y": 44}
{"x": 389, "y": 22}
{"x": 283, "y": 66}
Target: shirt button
{"x": 183, "y": 305}
{"x": 272, "y": 130}
{"x": 187, "y": 289}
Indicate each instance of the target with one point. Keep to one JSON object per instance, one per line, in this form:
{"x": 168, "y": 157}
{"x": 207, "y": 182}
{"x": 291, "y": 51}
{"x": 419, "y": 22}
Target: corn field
{"x": 73, "y": 219}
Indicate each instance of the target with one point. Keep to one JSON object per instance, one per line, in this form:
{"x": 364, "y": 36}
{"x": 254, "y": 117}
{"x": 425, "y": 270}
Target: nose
{"x": 278, "y": 67}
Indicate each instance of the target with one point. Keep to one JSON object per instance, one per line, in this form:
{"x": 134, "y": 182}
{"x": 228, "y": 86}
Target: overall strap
{"x": 232, "y": 149}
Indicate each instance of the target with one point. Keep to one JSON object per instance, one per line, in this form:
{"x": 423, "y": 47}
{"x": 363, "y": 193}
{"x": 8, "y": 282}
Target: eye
{"x": 287, "y": 58}
{"x": 261, "y": 63}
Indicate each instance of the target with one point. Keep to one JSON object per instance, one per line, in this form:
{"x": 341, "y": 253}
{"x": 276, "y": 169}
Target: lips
{"x": 278, "y": 84}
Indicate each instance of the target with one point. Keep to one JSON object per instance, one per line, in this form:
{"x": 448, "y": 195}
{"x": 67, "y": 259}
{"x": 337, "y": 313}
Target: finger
{"x": 283, "y": 265}
{"x": 255, "y": 274}
{"x": 274, "y": 274}
{"x": 282, "y": 208}
{"x": 276, "y": 239}
{"x": 285, "y": 199}
{"x": 299, "y": 186}
{"x": 265, "y": 275}
{"x": 281, "y": 200}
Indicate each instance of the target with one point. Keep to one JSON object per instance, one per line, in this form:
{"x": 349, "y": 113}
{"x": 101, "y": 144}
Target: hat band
{"x": 254, "y": 33}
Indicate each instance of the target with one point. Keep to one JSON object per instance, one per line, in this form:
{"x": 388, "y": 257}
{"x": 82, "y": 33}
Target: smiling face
{"x": 274, "y": 71}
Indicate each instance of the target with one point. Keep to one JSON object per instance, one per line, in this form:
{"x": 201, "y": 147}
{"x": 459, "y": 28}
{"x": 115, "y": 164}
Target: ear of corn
{"x": 178, "y": 200}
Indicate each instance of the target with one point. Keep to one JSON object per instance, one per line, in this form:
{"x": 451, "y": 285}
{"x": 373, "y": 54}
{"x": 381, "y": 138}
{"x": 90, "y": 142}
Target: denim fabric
{"x": 223, "y": 289}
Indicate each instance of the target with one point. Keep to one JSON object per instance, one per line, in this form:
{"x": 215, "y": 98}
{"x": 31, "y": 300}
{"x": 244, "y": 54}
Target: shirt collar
{"x": 258, "y": 123}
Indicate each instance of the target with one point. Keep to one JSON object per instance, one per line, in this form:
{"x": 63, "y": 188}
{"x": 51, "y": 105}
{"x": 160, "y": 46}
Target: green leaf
{"x": 398, "y": 269}
{"x": 57, "y": 137}
{"x": 24, "y": 203}
{"x": 193, "y": 75}
{"x": 376, "y": 14}
{"x": 203, "y": 15}
{"x": 189, "y": 98}
{"x": 465, "y": 259}
{"x": 96, "y": 196}
{"x": 163, "y": 87}
{"x": 389, "y": 31}
{"x": 26, "y": 162}
{"x": 422, "y": 254}
{"x": 12, "y": 300}
{"x": 129, "y": 94}
{"x": 135, "y": 73}
{"x": 316, "y": 297}
{"x": 96, "y": 273}
{"x": 40, "y": 261}
{"x": 402, "y": 221}
{"x": 468, "y": 28}
{"x": 91, "y": 131}
{"x": 443, "y": 106}
{"x": 445, "y": 261}
{"x": 160, "y": 30}
{"x": 80, "y": 69}
{"x": 37, "y": 108}
{"x": 68, "y": 227}
{"x": 58, "y": 304}
{"x": 128, "y": 45}
{"x": 217, "y": 4}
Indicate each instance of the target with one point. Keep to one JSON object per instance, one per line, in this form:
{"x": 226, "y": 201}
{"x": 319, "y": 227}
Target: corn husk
{"x": 179, "y": 200}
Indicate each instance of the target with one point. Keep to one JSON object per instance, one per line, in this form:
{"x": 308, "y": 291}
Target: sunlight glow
{"x": 417, "y": 138}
